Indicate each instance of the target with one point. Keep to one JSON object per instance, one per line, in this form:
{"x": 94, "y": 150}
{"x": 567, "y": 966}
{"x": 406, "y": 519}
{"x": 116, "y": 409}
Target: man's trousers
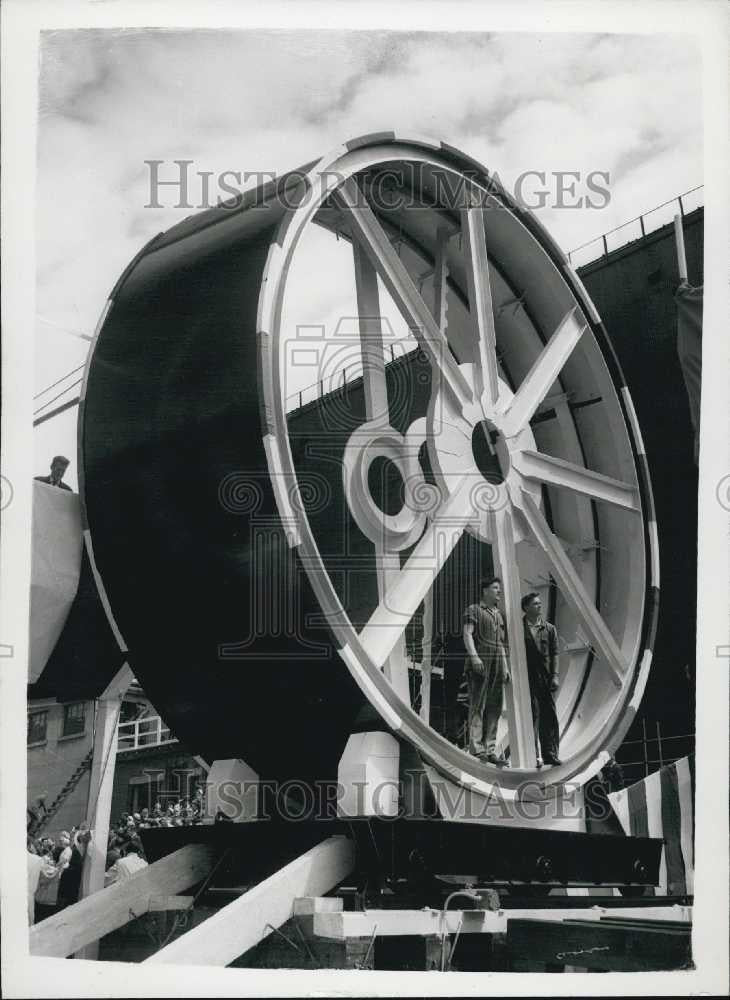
{"x": 544, "y": 717}
{"x": 485, "y": 707}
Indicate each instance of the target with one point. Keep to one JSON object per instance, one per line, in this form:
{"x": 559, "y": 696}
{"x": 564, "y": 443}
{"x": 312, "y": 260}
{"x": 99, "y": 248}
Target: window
{"x": 74, "y": 718}
{"x": 37, "y": 723}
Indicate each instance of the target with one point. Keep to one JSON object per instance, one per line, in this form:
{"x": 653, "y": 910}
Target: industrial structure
{"x": 286, "y": 577}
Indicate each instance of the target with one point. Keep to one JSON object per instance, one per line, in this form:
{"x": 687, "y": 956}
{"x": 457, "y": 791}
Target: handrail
{"x": 137, "y": 734}
{"x": 639, "y": 218}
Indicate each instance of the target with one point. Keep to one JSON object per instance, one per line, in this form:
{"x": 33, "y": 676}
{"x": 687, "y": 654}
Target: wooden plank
{"x": 243, "y": 923}
{"x": 338, "y": 926}
{"x": 91, "y": 918}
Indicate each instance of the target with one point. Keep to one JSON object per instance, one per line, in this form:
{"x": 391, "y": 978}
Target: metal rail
{"x": 143, "y": 733}
{"x": 643, "y": 231}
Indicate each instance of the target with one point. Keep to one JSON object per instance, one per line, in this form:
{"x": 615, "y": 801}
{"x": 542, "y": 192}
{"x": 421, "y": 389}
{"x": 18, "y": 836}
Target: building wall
{"x": 52, "y": 762}
{"x": 170, "y": 764}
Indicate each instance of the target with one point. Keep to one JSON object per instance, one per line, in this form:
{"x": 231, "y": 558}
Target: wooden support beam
{"x": 101, "y": 783}
{"x": 91, "y": 918}
{"x": 340, "y": 925}
{"x": 247, "y": 920}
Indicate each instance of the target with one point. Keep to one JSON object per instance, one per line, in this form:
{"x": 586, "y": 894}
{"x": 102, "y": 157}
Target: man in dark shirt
{"x": 541, "y": 646}
{"x": 486, "y": 670}
{"x": 58, "y": 469}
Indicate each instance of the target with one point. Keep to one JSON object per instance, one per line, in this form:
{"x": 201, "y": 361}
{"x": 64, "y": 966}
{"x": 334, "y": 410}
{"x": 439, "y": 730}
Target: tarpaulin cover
{"x": 55, "y": 569}
{"x": 662, "y": 805}
{"x": 73, "y": 652}
{"x": 689, "y": 348}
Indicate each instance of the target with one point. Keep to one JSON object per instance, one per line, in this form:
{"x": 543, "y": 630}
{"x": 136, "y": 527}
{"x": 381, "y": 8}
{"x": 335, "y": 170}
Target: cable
{"x": 58, "y": 382}
{"x": 63, "y": 392}
{"x": 59, "y": 409}
{"x": 64, "y": 329}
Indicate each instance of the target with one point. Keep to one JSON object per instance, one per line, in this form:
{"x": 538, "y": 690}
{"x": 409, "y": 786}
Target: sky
{"x": 626, "y": 105}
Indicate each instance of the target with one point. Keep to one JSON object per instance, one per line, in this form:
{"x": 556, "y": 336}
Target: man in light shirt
{"x": 486, "y": 669}
{"x": 127, "y": 865}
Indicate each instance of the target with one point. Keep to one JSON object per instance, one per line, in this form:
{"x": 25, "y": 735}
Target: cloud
{"x": 273, "y": 100}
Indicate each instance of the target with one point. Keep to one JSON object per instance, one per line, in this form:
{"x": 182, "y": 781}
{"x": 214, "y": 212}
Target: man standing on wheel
{"x": 486, "y": 669}
{"x": 541, "y": 646}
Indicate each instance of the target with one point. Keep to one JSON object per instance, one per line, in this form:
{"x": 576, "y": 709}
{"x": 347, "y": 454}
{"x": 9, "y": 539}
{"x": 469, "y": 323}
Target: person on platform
{"x": 486, "y": 669}
{"x": 541, "y": 647}
{"x": 58, "y": 469}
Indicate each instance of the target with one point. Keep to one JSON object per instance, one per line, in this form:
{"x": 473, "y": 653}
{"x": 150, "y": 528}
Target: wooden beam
{"x": 421, "y": 923}
{"x": 118, "y": 685}
{"x": 101, "y": 784}
{"x": 239, "y": 926}
{"x": 91, "y": 918}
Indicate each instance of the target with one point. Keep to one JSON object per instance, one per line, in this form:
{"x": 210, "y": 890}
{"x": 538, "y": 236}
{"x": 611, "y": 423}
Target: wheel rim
{"x": 605, "y": 482}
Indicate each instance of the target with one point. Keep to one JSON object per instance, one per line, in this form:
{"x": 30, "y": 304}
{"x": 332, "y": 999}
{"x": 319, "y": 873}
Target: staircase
{"x": 72, "y": 782}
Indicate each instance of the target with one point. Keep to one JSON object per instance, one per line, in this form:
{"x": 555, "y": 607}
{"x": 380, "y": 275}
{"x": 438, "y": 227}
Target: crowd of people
{"x": 54, "y": 871}
{"x": 55, "y": 864}
{"x": 184, "y": 811}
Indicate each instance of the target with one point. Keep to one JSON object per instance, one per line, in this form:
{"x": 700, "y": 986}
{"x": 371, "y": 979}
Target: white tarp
{"x": 56, "y": 564}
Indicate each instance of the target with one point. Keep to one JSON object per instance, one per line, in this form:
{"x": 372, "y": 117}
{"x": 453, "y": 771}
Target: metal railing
{"x": 642, "y": 225}
{"x": 139, "y": 734}
{"x": 668, "y": 749}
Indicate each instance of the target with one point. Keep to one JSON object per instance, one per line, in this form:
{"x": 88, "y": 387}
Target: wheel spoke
{"x": 406, "y": 590}
{"x": 370, "y": 234}
{"x": 371, "y": 338}
{"x": 517, "y": 692}
{"x": 387, "y": 563}
{"x": 480, "y": 305}
{"x": 440, "y": 276}
{"x": 537, "y": 382}
{"x": 557, "y": 472}
{"x": 572, "y": 589}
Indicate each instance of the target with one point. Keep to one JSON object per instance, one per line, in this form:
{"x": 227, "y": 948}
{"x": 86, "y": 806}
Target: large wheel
{"x": 234, "y": 530}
